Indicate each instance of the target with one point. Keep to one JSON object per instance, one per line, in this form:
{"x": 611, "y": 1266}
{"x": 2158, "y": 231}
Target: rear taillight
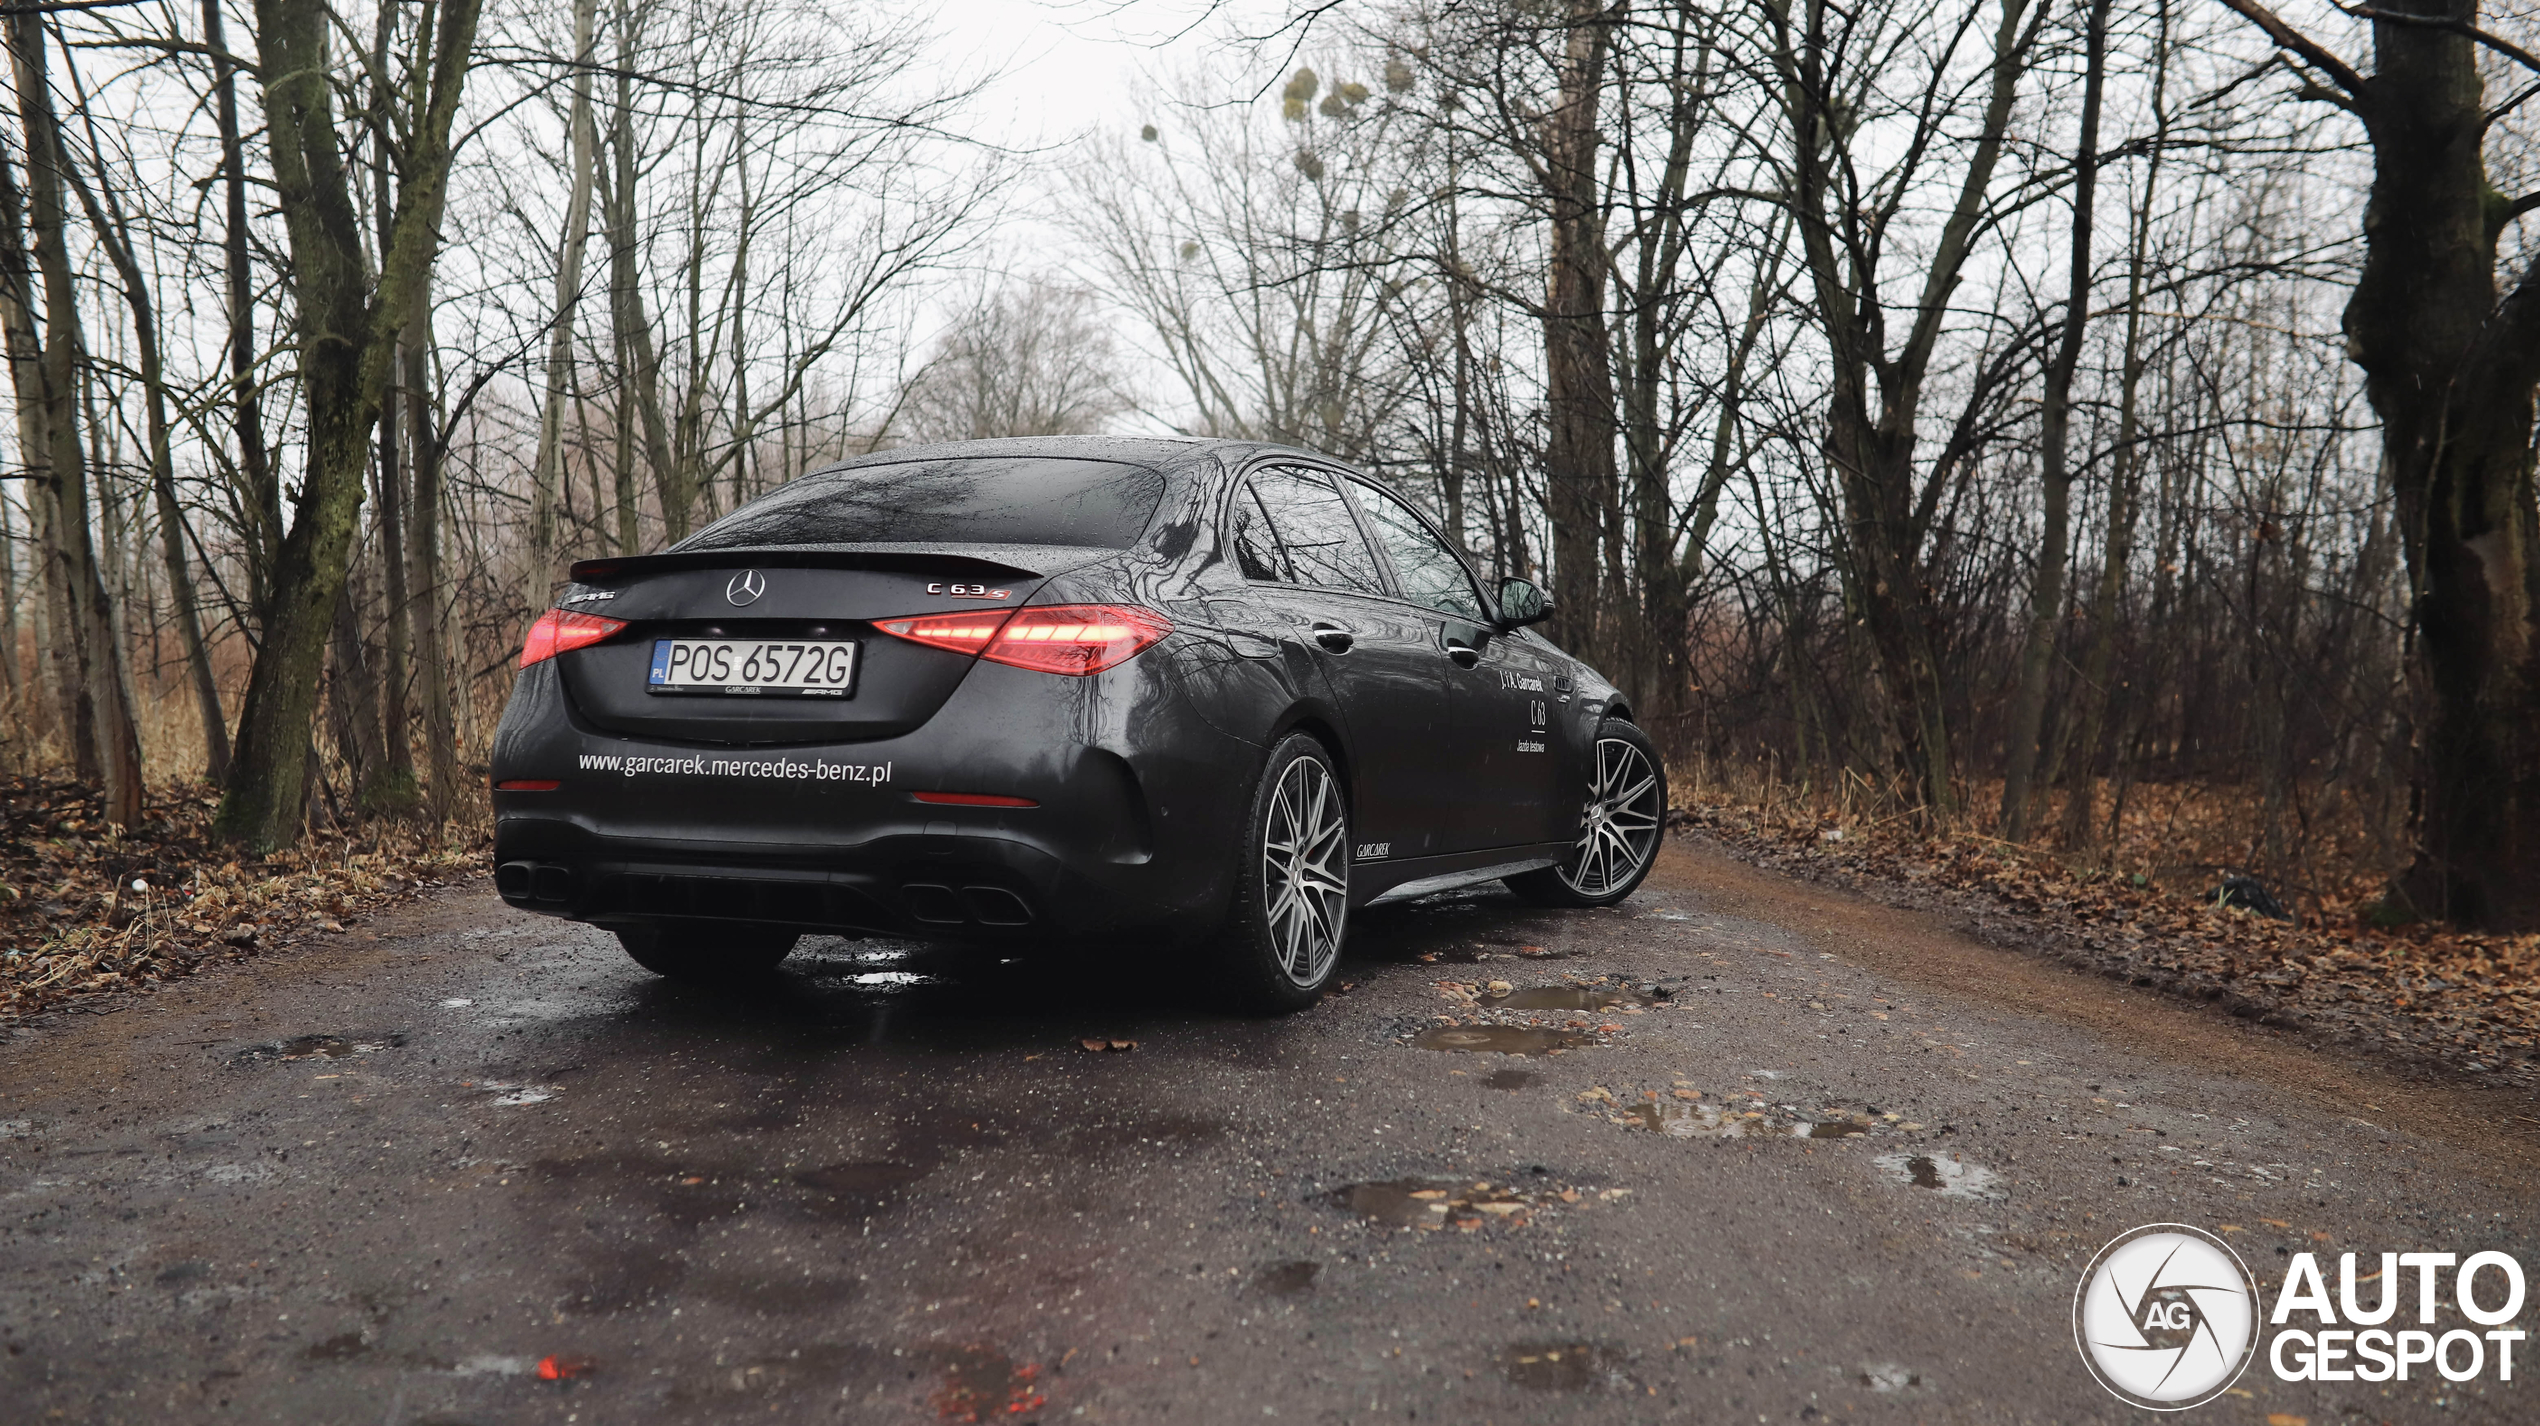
{"x": 1058, "y": 638}
{"x": 561, "y": 631}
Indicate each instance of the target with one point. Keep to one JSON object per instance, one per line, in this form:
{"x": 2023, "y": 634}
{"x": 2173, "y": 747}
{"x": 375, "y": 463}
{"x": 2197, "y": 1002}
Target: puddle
{"x": 1562, "y": 997}
{"x": 316, "y": 1047}
{"x": 1697, "y": 1121}
{"x": 514, "y": 1095}
{"x": 1511, "y": 1079}
{"x": 1563, "y": 1366}
{"x": 1426, "y": 1203}
{"x": 1286, "y": 1279}
{"x": 1499, "y": 1039}
{"x": 1430, "y": 1204}
{"x": 1951, "y": 1178}
{"x": 979, "y": 1383}
{"x": 456, "y": 1003}
{"x": 1830, "y": 1129}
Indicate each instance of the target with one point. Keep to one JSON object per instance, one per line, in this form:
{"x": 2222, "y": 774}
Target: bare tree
{"x": 1030, "y": 359}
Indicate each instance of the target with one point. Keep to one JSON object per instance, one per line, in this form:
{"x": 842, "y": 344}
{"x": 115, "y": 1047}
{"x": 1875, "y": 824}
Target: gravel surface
{"x": 1766, "y": 1151}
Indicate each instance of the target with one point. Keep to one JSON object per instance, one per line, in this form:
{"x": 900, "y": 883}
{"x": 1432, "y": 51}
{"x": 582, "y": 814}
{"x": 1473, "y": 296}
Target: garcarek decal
{"x": 2167, "y": 1317}
{"x": 1374, "y": 851}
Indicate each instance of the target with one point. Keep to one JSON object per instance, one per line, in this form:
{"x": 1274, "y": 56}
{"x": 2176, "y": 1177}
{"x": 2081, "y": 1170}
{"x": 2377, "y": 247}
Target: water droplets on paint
{"x": 1946, "y": 1175}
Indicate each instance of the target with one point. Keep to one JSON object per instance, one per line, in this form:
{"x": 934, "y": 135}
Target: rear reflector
{"x": 561, "y": 631}
{"x": 972, "y": 799}
{"x": 1057, "y": 638}
{"x": 528, "y": 784}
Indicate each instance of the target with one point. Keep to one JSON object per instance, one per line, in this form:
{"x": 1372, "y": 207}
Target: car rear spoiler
{"x": 954, "y": 562}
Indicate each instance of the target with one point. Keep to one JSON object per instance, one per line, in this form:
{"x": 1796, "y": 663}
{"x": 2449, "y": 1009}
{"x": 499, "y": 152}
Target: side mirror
{"x": 1521, "y": 603}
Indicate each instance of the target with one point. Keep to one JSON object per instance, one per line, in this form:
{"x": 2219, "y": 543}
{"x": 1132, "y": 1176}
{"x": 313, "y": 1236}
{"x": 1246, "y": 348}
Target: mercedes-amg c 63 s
{"x": 1203, "y": 693}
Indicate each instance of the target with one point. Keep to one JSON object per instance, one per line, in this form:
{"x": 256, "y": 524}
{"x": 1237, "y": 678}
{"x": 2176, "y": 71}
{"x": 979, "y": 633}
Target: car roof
{"x": 1157, "y": 451}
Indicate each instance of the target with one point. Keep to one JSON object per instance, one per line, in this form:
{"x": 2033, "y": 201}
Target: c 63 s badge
{"x": 969, "y": 591}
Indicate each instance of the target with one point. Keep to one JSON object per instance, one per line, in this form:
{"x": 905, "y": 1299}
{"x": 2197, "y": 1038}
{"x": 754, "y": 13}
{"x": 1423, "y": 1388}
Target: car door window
{"x": 1317, "y": 540}
{"x": 1256, "y": 548}
{"x": 1431, "y": 575}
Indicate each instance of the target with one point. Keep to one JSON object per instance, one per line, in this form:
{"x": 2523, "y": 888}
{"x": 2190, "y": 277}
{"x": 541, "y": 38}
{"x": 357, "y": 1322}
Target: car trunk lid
{"x": 826, "y": 593}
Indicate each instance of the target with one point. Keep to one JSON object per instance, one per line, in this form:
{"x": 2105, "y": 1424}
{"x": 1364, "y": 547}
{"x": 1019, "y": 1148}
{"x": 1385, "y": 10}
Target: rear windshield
{"x": 989, "y": 500}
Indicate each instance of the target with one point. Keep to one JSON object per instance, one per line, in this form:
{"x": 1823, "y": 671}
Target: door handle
{"x": 1465, "y": 657}
{"x": 1333, "y": 637}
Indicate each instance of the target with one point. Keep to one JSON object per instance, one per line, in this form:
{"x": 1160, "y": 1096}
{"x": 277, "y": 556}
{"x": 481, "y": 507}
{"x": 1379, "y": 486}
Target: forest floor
{"x": 87, "y": 908}
{"x": 2461, "y": 1003}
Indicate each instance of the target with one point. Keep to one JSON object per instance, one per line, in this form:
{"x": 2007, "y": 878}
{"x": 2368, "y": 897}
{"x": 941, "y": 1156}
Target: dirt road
{"x": 1771, "y": 1154}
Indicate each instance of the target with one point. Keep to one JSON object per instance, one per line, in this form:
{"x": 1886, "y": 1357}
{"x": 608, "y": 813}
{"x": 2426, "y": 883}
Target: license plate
{"x": 767, "y": 668}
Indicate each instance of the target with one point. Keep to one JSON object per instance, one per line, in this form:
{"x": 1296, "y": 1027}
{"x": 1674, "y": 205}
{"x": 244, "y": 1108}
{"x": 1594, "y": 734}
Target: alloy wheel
{"x": 1619, "y": 829}
{"x": 1305, "y": 871}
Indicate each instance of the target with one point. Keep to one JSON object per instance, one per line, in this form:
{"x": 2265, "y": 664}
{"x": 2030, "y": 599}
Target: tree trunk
{"x": 103, "y": 707}
{"x": 423, "y": 552}
{"x": 1875, "y": 396}
{"x": 347, "y": 339}
{"x": 2079, "y": 744}
{"x": 2055, "y": 478}
{"x": 2450, "y": 366}
{"x": 1578, "y": 361}
{"x": 577, "y": 231}
{"x": 263, "y": 503}
{"x": 54, "y": 660}
{"x": 114, "y": 234}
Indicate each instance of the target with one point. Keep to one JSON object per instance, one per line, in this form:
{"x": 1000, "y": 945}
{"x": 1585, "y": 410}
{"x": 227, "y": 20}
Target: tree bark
{"x": 347, "y": 338}
{"x": 104, "y": 711}
{"x": 2055, "y": 477}
{"x": 1578, "y": 360}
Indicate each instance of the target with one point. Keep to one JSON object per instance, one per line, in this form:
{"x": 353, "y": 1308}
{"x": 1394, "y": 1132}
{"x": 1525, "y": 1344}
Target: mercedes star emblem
{"x": 745, "y": 587}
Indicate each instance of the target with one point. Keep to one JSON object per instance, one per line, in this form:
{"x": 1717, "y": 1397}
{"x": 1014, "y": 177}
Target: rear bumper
{"x": 1132, "y": 831}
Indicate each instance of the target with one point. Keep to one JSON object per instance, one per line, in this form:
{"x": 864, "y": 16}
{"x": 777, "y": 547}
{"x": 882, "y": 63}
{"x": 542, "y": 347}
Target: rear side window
{"x": 1317, "y": 541}
{"x": 1000, "y": 500}
{"x": 1431, "y": 574}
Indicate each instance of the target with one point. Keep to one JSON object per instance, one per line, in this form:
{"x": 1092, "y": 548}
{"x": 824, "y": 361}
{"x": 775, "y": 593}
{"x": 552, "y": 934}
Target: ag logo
{"x": 746, "y": 587}
{"x": 2166, "y": 1317}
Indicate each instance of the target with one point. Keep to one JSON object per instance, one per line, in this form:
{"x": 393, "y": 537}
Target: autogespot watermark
{"x": 2168, "y": 1317}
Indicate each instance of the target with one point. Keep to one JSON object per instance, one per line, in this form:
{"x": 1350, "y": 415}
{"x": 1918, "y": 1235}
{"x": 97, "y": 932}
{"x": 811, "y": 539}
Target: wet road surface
{"x": 1740, "y": 1150}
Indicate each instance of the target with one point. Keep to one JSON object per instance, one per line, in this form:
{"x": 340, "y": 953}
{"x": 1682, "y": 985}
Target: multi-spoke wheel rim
{"x": 1619, "y": 830}
{"x": 1305, "y": 872}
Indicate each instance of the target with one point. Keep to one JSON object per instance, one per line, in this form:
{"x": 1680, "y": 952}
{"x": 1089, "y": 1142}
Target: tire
{"x": 706, "y": 954}
{"x": 1621, "y": 824}
{"x": 1283, "y": 933}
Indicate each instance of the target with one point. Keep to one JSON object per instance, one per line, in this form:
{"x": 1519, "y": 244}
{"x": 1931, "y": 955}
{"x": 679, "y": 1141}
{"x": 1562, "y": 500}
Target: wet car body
{"x": 944, "y": 794}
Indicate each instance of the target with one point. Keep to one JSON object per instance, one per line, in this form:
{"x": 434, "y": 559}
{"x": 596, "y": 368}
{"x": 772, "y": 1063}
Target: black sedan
{"x": 1062, "y": 690}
